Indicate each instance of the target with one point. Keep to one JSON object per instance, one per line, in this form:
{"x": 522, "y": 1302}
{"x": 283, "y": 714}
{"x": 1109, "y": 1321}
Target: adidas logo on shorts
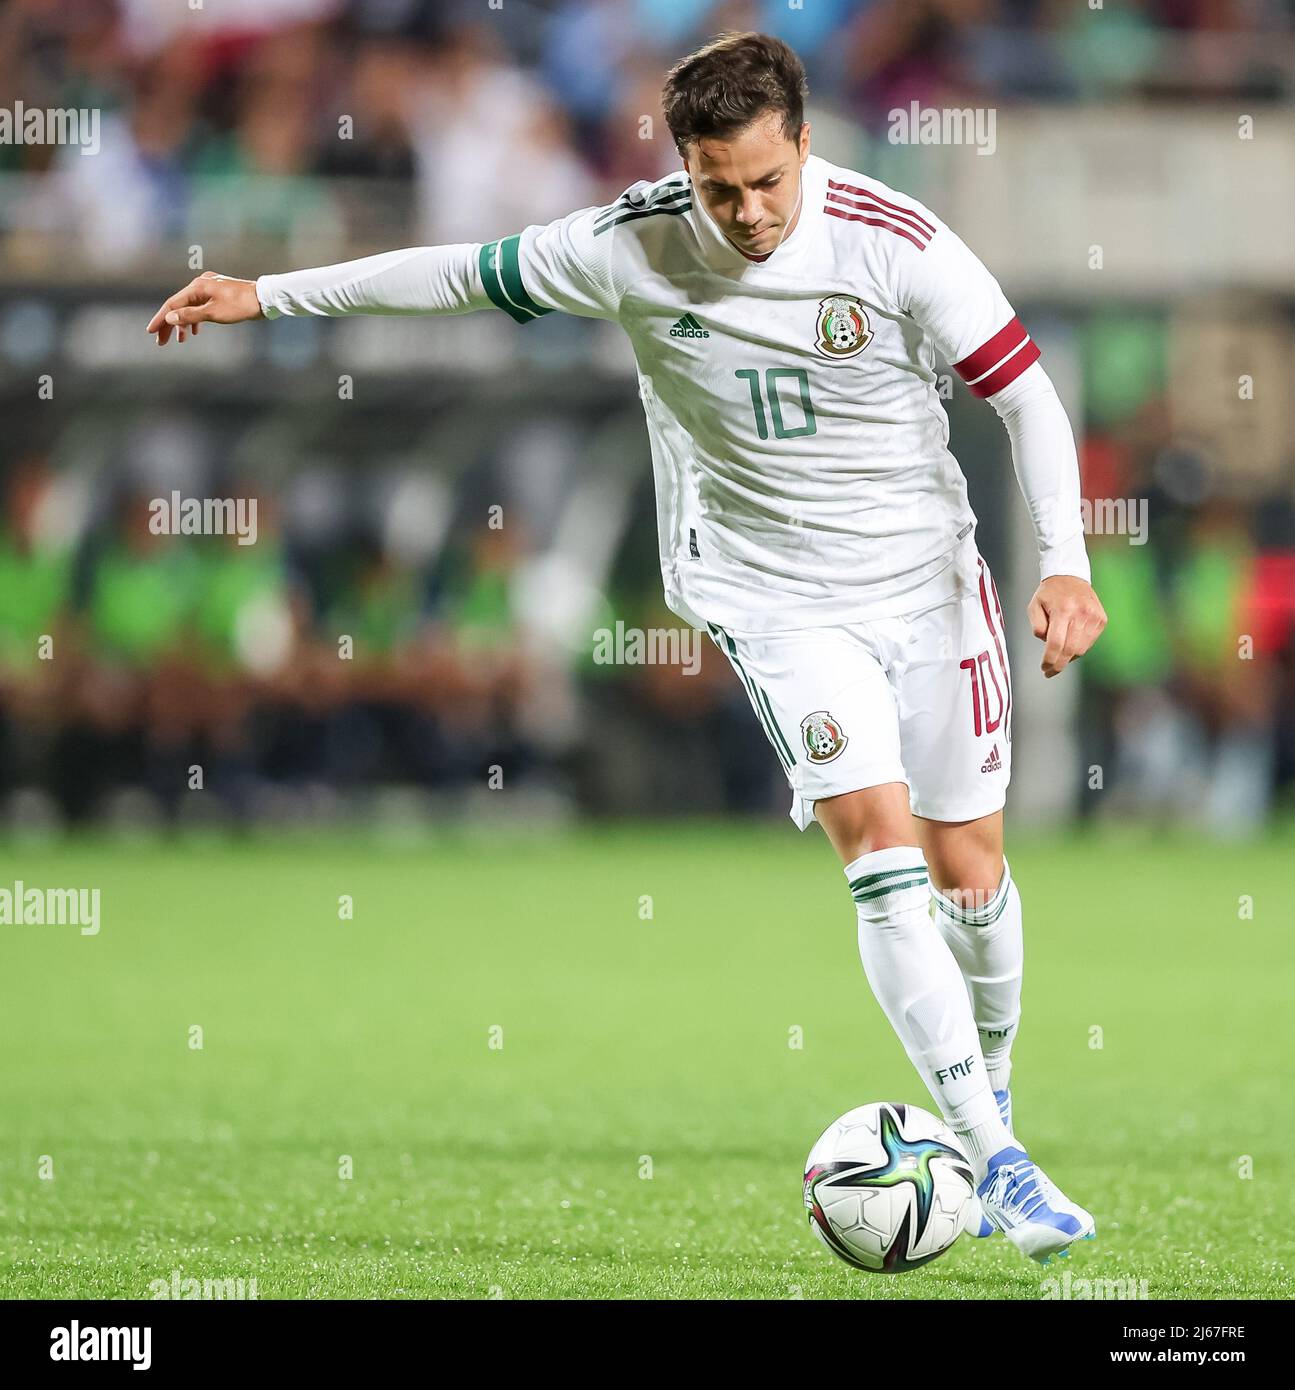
{"x": 993, "y": 763}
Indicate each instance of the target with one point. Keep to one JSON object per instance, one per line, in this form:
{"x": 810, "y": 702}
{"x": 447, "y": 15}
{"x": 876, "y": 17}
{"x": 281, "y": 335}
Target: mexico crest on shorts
{"x": 823, "y": 737}
{"x": 843, "y": 327}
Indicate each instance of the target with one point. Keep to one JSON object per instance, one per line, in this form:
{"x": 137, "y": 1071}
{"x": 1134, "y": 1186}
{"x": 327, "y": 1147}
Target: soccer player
{"x": 785, "y": 314}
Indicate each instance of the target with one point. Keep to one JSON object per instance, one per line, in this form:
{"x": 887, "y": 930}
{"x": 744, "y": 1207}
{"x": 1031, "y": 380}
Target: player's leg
{"x": 912, "y": 971}
{"x": 959, "y": 734}
{"x": 978, "y": 912}
{"x": 845, "y": 770}
{"x": 953, "y": 692}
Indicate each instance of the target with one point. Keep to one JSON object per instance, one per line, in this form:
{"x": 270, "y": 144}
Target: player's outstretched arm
{"x": 417, "y": 280}
{"x": 564, "y": 265}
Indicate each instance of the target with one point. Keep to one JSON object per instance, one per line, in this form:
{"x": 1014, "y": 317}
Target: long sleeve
{"x": 564, "y": 265}
{"x": 1047, "y": 469}
{"x": 418, "y": 280}
{"x": 950, "y": 293}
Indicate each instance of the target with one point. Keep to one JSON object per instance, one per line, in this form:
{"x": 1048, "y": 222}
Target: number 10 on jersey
{"x": 773, "y": 376}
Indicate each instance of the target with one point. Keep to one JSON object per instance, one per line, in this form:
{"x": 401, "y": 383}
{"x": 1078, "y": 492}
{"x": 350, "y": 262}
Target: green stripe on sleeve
{"x": 488, "y": 263}
{"x": 663, "y": 197}
{"x": 512, "y": 274}
{"x": 642, "y": 212}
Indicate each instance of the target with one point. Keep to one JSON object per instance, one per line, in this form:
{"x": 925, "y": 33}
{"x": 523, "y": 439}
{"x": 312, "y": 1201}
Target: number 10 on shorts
{"x": 987, "y": 709}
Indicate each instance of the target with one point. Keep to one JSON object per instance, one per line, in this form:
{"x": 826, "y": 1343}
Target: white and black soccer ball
{"x": 887, "y": 1187}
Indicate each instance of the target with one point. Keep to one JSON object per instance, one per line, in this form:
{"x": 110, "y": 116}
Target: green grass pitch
{"x": 641, "y": 1130}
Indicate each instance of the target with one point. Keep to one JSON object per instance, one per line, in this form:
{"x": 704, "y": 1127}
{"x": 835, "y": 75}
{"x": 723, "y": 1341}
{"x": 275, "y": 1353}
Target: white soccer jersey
{"x": 799, "y": 444}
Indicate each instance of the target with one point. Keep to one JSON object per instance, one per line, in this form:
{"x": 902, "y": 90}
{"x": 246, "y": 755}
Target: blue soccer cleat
{"x": 1020, "y": 1200}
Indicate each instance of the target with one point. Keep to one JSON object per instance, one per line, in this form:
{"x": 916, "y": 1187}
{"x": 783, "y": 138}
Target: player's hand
{"x": 211, "y": 298}
{"x": 1067, "y": 617}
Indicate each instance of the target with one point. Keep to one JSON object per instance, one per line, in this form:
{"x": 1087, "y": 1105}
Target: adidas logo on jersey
{"x": 993, "y": 763}
{"x": 688, "y": 327}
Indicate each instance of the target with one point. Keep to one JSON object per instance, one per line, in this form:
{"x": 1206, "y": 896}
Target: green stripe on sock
{"x": 889, "y": 888}
{"x": 885, "y": 873}
{"x": 969, "y": 917}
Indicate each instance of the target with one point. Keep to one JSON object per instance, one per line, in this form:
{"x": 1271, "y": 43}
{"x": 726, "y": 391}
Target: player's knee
{"x": 965, "y": 866}
{"x": 971, "y": 887}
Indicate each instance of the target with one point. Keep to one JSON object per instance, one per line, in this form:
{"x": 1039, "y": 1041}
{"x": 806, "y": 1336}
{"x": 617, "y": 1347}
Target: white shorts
{"x": 925, "y": 700}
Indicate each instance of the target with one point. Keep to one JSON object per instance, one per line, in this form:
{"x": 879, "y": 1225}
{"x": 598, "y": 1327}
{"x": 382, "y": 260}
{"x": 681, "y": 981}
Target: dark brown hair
{"x": 727, "y": 83}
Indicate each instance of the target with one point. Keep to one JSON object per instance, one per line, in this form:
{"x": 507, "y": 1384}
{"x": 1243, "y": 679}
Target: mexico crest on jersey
{"x": 842, "y": 326}
{"x": 823, "y": 737}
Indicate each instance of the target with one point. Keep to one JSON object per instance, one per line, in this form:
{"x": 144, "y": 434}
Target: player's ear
{"x": 804, "y": 141}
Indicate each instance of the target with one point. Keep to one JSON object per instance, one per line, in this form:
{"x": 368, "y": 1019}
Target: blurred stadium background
{"x": 1136, "y": 208}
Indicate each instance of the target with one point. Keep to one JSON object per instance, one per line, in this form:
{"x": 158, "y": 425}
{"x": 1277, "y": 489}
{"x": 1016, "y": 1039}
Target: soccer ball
{"x": 887, "y": 1188}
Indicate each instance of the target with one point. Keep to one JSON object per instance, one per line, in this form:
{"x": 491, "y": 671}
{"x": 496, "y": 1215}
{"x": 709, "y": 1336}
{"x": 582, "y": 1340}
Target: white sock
{"x": 987, "y": 942}
{"x": 917, "y": 982}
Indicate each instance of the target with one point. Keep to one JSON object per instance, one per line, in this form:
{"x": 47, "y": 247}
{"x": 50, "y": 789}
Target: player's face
{"x": 750, "y": 183}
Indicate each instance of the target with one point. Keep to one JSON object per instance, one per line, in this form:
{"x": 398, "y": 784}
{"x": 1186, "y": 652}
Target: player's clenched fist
{"x": 211, "y": 298}
{"x": 1067, "y": 617}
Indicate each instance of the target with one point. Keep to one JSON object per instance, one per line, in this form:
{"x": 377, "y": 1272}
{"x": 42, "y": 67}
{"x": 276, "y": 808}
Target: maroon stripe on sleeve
{"x": 877, "y": 198}
{"x": 990, "y": 353}
{"x": 871, "y": 205}
{"x": 1007, "y": 373}
{"x": 876, "y": 222}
